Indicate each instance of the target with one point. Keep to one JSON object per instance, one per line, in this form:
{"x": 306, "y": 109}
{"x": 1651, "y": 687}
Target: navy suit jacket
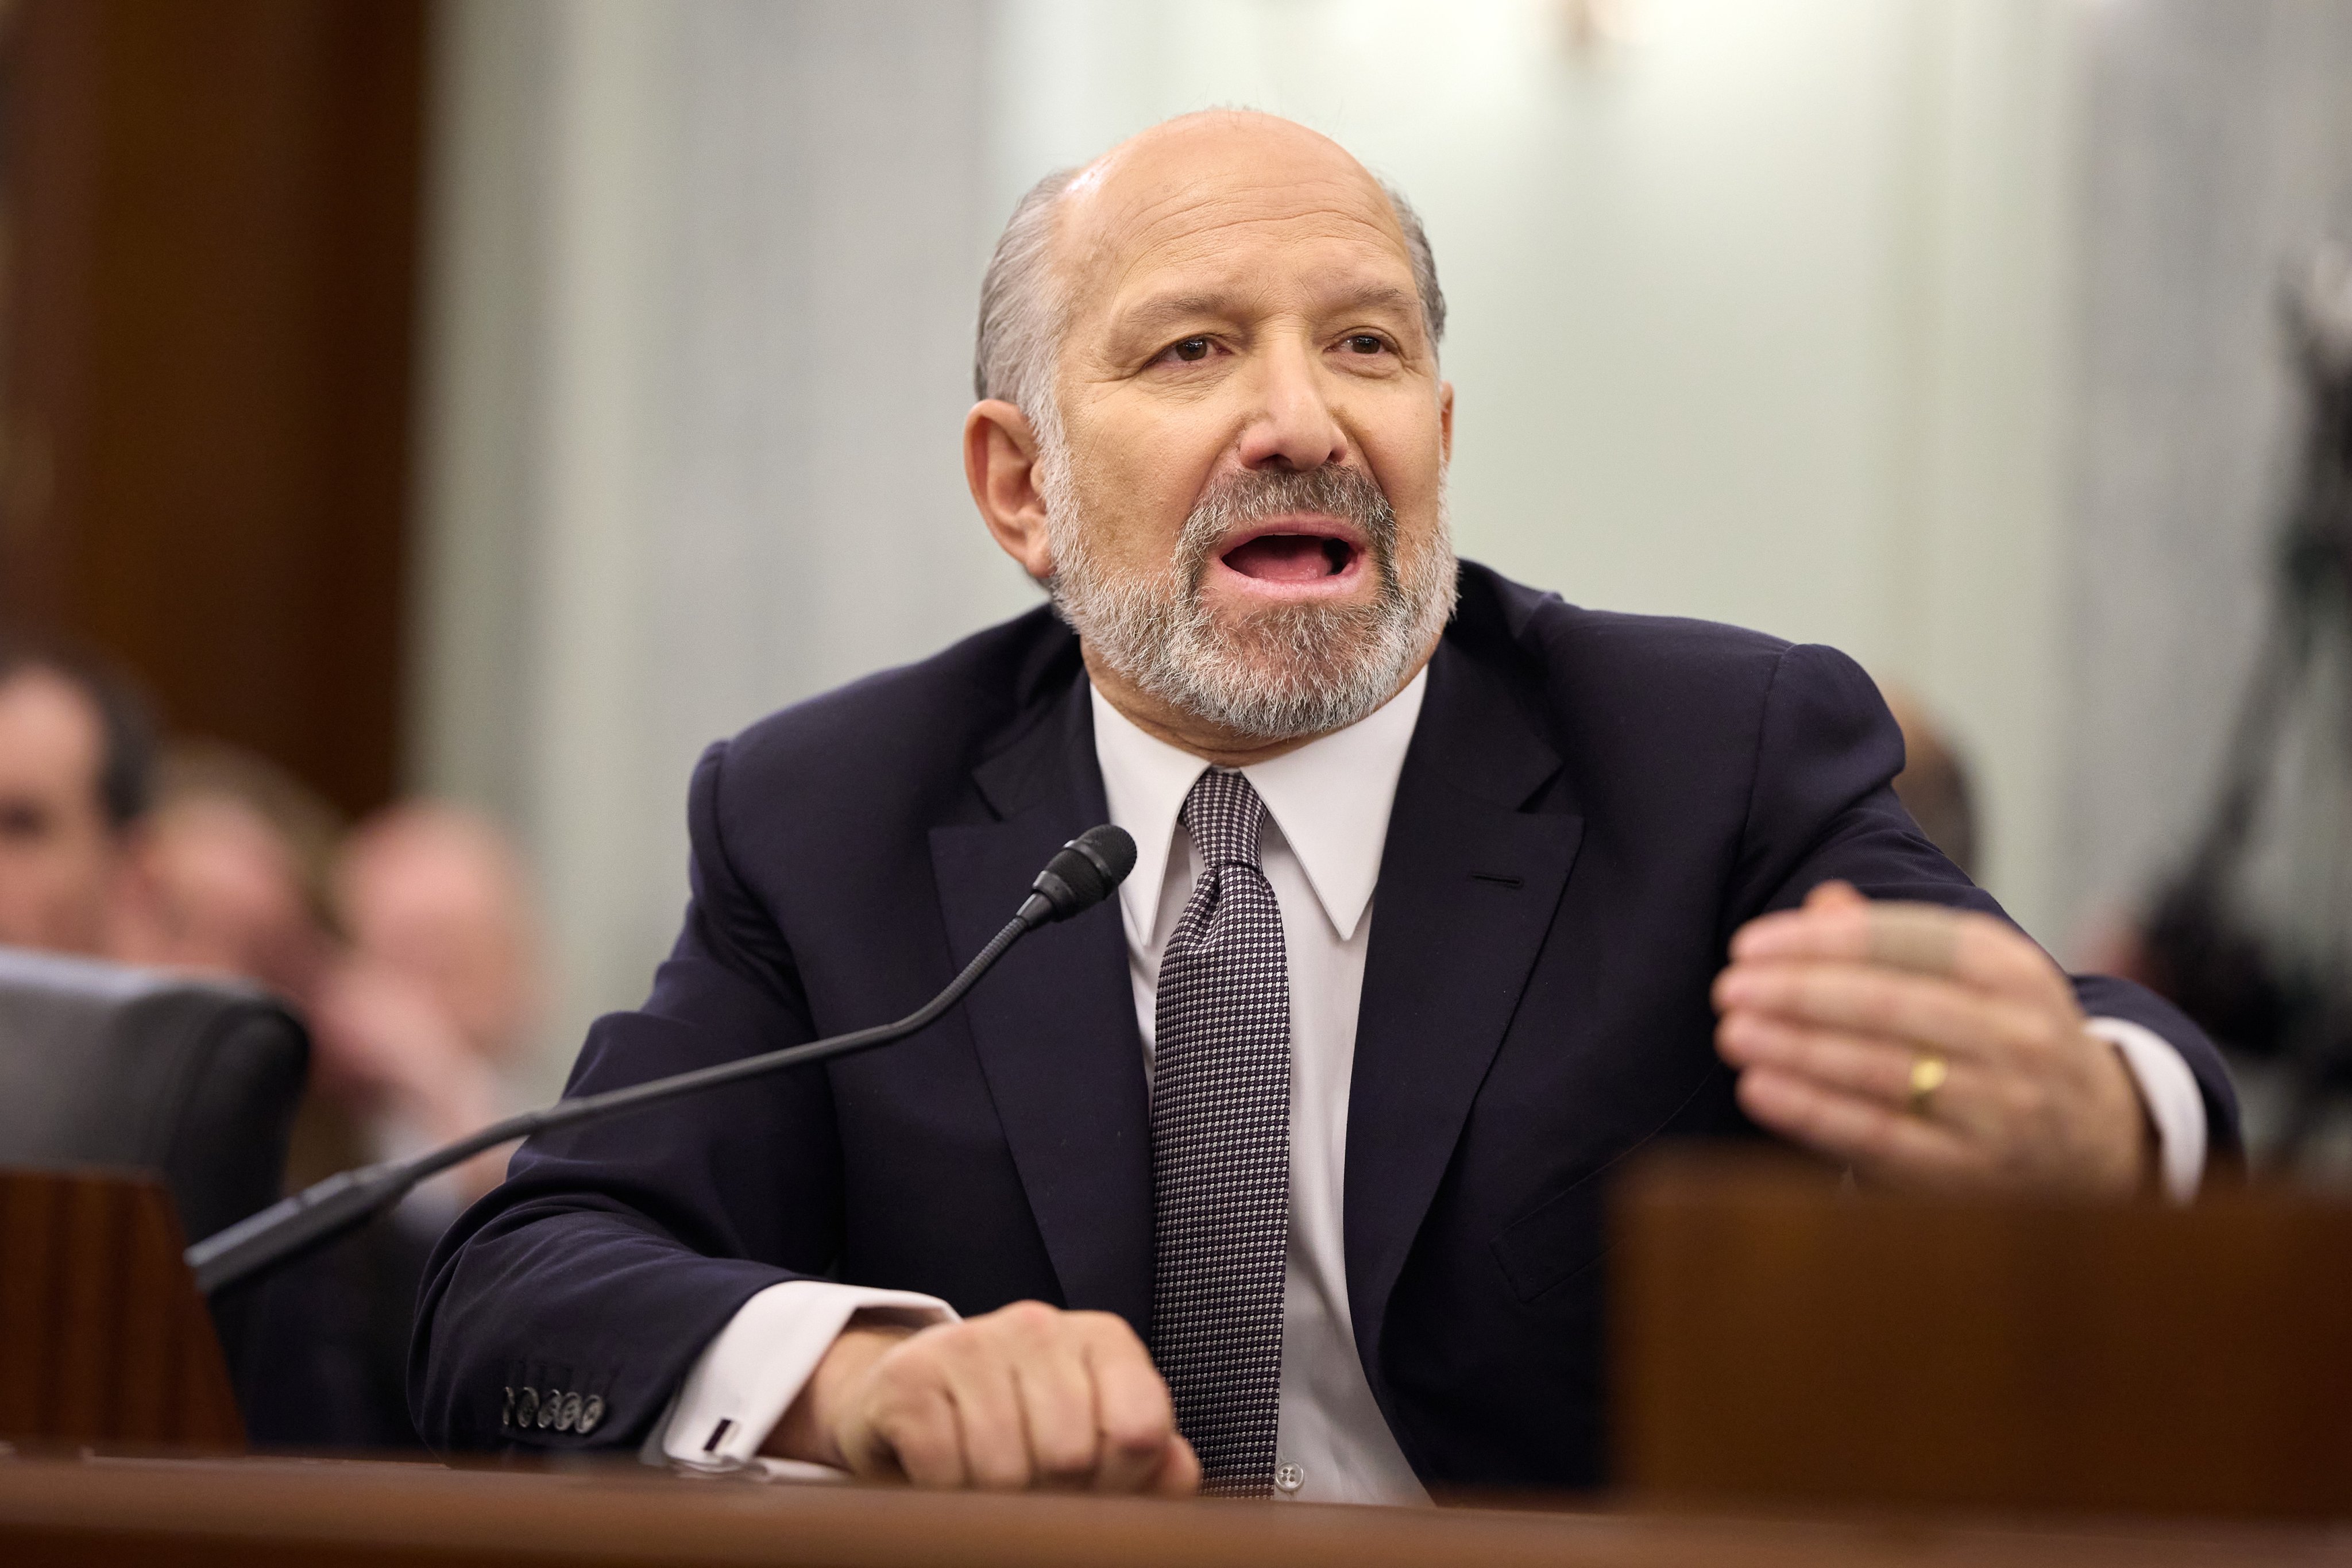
{"x": 1591, "y": 805}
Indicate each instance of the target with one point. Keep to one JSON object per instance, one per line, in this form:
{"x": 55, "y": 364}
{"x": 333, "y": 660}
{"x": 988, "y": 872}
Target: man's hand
{"x": 1028, "y": 1395}
{"x": 1925, "y": 1046}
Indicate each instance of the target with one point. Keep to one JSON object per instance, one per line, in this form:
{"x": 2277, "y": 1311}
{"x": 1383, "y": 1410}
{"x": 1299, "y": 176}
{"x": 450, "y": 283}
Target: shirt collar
{"x": 1331, "y": 799}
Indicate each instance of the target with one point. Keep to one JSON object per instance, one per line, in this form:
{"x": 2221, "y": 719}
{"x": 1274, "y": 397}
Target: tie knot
{"x": 1222, "y": 814}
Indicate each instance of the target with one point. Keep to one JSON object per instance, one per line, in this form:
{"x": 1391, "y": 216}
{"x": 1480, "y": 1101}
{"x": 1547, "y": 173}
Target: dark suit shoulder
{"x": 1605, "y": 644}
{"x": 1606, "y": 673}
{"x": 915, "y": 728}
{"x": 1689, "y": 729}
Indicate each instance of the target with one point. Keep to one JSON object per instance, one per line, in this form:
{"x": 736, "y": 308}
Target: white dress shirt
{"x": 1328, "y": 808}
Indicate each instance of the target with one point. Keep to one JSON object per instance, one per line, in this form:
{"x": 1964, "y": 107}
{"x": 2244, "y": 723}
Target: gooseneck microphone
{"x": 1080, "y": 875}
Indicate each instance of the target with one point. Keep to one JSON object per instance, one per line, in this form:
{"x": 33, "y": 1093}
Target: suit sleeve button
{"x": 569, "y": 1416}
{"x": 527, "y": 1408}
{"x": 592, "y": 1411}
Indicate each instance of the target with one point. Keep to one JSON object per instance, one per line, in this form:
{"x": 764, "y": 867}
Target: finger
{"x": 1862, "y": 999}
{"x": 1057, "y": 1407}
{"x": 1132, "y": 1409}
{"x": 1926, "y": 938}
{"x": 1834, "y": 895}
{"x": 1868, "y": 1067}
{"x": 1864, "y": 1066}
{"x": 1830, "y": 924}
{"x": 988, "y": 1425}
{"x": 1825, "y": 926}
{"x": 1180, "y": 1468}
{"x": 914, "y": 1435}
{"x": 1862, "y": 1132}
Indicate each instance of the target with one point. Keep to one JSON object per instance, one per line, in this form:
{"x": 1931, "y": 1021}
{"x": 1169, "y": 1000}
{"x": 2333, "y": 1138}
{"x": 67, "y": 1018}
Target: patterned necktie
{"x": 1220, "y": 1147}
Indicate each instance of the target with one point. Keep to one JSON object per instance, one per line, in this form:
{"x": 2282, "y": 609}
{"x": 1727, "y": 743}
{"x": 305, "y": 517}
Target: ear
{"x": 1445, "y": 422}
{"x": 1000, "y": 463}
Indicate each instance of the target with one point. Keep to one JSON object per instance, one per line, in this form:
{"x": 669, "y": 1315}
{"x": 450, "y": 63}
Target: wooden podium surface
{"x": 274, "y": 1513}
{"x": 1801, "y": 1376}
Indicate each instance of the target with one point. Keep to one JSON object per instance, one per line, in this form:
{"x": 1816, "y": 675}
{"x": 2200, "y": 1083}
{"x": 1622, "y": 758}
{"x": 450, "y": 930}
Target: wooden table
{"x": 261, "y": 1513}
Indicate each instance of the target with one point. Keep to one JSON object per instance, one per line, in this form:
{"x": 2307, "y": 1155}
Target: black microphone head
{"x": 1082, "y": 874}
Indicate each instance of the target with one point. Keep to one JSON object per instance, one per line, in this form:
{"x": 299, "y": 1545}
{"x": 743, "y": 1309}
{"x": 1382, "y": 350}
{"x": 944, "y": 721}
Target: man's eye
{"x": 1192, "y": 351}
{"x": 1366, "y": 343}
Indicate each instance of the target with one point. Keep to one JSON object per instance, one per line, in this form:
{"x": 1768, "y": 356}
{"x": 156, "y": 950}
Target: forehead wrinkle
{"x": 1166, "y": 215}
{"x": 1172, "y": 251}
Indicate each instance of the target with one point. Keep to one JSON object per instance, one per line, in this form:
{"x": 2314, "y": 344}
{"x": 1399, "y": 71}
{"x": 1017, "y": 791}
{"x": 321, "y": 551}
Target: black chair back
{"x": 195, "y": 1079}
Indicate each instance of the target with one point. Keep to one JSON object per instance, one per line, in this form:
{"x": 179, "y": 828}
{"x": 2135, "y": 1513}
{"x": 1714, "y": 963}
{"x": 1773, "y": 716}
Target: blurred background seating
{"x": 410, "y": 945}
{"x": 193, "y": 1079}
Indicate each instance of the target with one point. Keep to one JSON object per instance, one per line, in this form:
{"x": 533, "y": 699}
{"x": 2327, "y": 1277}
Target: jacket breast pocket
{"x": 1558, "y": 1240}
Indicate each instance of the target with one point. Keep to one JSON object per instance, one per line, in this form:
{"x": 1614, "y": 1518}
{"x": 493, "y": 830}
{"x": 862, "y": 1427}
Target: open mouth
{"x": 1293, "y": 555}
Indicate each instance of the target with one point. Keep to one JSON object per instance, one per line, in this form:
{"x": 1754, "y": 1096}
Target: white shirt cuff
{"x": 753, "y": 1369}
{"x": 2169, "y": 1092}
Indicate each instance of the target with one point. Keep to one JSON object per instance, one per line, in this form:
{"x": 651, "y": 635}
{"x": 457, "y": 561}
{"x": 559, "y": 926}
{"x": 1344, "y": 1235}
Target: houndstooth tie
{"x": 1221, "y": 1147}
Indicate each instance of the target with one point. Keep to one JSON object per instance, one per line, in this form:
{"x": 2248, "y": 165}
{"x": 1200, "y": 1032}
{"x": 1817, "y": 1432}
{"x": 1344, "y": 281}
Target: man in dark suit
{"x": 1282, "y": 1174}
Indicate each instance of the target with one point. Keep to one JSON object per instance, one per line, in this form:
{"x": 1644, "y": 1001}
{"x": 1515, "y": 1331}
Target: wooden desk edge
{"x": 268, "y": 1512}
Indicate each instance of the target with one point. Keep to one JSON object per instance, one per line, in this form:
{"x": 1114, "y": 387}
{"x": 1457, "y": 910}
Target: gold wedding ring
{"x": 1928, "y": 1071}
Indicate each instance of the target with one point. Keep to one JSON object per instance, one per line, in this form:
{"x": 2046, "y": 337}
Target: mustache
{"x": 1239, "y": 501}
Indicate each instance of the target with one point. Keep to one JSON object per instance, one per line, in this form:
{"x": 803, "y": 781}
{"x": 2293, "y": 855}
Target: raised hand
{"x": 1925, "y": 1046}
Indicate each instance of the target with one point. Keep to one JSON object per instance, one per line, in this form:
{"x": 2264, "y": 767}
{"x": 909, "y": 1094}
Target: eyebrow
{"x": 1169, "y": 308}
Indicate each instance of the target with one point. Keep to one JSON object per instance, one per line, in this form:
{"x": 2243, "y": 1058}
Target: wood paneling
{"x": 212, "y": 210}
{"x": 102, "y": 1336}
{"x": 1779, "y": 1341}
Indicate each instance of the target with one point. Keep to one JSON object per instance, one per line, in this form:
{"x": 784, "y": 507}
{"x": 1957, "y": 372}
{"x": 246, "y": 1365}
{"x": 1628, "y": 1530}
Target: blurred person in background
{"x": 228, "y": 873}
{"x": 77, "y": 758}
{"x": 410, "y": 946}
{"x": 440, "y": 986}
{"x": 1933, "y": 785}
{"x": 433, "y": 991}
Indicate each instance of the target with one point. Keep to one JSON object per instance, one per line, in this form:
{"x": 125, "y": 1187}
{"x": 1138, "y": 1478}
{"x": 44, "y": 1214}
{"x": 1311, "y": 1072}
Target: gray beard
{"x": 1282, "y": 673}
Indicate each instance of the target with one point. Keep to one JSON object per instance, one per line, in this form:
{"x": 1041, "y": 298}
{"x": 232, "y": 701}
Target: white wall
{"x": 698, "y": 350}
{"x": 1761, "y": 315}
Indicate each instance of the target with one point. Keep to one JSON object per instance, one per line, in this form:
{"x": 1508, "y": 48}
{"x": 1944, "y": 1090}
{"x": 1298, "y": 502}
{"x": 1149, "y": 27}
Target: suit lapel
{"x": 1468, "y": 886}
{"x": 1055, "y": 1023}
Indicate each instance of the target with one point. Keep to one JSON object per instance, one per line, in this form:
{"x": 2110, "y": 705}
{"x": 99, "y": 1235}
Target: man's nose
{"x": 1294, "y": 428}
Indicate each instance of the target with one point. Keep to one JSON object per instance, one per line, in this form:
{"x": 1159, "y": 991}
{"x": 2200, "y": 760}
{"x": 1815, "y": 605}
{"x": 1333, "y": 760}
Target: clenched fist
{"x": 1028, "y": 1395}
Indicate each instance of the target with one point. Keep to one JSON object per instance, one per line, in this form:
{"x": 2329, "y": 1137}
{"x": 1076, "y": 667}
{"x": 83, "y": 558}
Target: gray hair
{"x": 1022, "y": 316}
